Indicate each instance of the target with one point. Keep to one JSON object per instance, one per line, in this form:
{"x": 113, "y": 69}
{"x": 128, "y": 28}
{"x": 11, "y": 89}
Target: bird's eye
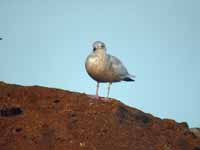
{"x": 94, "y": 49}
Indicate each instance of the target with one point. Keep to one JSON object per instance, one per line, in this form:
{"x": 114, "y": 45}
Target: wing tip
{"x": 128, "y": 79}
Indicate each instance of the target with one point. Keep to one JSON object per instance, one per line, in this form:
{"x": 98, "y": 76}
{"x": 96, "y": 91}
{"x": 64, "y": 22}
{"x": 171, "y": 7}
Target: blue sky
{"x": 46, "y": 42}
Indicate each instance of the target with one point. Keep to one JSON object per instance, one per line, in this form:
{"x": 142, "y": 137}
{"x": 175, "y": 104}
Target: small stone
{"x": 82, "y": 144}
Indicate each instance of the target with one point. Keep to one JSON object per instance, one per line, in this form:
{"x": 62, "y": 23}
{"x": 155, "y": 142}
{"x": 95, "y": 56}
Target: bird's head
{"x": 98, "y": 45}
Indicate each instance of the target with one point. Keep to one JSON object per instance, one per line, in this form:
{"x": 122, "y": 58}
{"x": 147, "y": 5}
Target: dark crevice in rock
{"x": 142, "y": 117}
{"x": 56, "y": 101}
{"x": 9, "y": 112}
{"x": 18, "y": 129}
{"x": 122, "y": 114}
{"x": 197, "y": 148}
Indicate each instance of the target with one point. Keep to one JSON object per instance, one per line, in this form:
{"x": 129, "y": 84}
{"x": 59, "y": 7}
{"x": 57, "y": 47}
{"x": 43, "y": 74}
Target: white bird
{"x": 103, "y": 67}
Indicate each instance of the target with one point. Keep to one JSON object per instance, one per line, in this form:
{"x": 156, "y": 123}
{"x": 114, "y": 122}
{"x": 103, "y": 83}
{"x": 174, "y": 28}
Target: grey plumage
{"x": 104, "y": 67}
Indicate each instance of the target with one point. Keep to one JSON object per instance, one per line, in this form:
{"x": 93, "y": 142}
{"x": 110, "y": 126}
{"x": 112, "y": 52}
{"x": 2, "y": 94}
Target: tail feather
{"x": 129, "y": 78}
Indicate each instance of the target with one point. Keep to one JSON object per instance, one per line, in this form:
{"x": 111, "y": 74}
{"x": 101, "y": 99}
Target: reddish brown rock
{"x": 39, "y": 118}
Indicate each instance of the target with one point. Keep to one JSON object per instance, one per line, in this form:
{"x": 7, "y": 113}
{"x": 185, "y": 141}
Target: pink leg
{"x": 97, "y": 90}
{"x": 97, "y": 93}
{"x": 109, "y": 84}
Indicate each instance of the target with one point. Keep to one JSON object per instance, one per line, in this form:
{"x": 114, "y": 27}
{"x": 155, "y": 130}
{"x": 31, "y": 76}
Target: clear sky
{"x": 45, "y": 42}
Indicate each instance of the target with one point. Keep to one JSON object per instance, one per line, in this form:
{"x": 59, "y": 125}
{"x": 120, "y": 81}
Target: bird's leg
{"x": 109, "y": 85}
{"x": 97, "y": 90}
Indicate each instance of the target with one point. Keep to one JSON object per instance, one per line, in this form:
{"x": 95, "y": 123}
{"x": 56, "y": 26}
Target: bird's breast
{"x": 94, "y": 65}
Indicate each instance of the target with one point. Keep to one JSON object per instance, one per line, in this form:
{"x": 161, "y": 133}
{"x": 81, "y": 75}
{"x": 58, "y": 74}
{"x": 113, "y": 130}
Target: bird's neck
{"x": 100, "y": 52}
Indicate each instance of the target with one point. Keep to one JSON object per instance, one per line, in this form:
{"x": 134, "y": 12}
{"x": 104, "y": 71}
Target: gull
{"x": 103, "y": 67}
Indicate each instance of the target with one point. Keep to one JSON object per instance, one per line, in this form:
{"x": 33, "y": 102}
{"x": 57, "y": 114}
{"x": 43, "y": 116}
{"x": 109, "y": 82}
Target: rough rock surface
{"x": 196, "y": 131}
{"x": 39, "y": 118}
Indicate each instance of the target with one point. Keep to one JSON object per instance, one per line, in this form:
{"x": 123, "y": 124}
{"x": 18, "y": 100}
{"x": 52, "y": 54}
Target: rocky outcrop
{"x": 39, "y": 118}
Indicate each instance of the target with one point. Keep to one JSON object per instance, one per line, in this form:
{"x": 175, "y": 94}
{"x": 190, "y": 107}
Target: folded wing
{"x": 118, "y": 68}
